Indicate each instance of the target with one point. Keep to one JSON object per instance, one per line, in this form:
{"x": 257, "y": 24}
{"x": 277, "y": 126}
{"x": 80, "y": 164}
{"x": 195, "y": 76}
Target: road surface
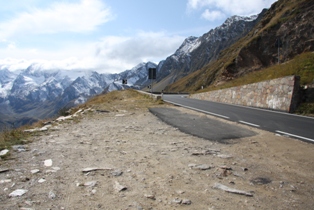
{"x": 282, "y": 123}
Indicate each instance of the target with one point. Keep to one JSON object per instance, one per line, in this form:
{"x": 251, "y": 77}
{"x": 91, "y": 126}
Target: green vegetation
{"x": 302, "y": 65}
{"x": 9, "y": 138}
{"x": 306, "y": 109}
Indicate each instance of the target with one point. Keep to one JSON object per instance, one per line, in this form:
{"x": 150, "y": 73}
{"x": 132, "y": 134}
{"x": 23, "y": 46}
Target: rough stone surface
{"x": 278, "y": 94}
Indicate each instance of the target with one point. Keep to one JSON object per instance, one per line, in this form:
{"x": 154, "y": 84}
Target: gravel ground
{"x": 129, "y": 159}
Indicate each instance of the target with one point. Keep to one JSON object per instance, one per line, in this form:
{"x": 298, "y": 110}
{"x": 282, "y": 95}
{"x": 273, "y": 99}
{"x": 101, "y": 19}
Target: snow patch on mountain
{"x": 189, "y": 45}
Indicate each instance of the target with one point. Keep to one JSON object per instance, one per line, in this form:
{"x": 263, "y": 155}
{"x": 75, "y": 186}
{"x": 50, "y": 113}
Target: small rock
{"x": 224, "y": 156}
{"x": 90, "y": 184}
{"x": 150, "y": 196}
{"x": 48, "y": 163}
{"x": 54, "y": 170}
{"x": 24, "y": 179}
{"x": 119, "y": 187}
{"x": 35, "y": 171}
{"x": 2, "y": 170}
{"x": 179, "y": 191}
{"x": 51, "y": 195}
{"x": 119, "y": 115}
{"x": 191, "y": 165}
{"x": 17, "y": 193}
{"x": 86, "y": 170}
{"x": 19, "y": 148}
{"x": 64, "y": 118}
{"x": 186, "y": 202}
{"x": 4, "y": 152}
{"x": 5, "y": 181}
{"x": 42, "y": 180}
{"x": 200, "y": 167}
{"x": 177, "y": 201}
{"x": 116, "y": 173}
{"x": 260, "y": 180}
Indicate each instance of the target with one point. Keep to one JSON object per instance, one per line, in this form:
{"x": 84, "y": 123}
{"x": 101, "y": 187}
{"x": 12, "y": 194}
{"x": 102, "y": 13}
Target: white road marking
{"x": 199, "y": 110}
{"x": 296, "y": 136}
{"x": 251, "y": 124}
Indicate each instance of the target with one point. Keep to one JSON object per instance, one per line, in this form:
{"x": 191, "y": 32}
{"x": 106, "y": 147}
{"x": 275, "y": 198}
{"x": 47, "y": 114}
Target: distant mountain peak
{"x": 189, "y": 44}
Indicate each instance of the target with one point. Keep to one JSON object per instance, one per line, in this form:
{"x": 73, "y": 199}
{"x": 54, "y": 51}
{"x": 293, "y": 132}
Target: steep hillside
{"x": 291, "y": 21}
{"x": 196, "y": 52}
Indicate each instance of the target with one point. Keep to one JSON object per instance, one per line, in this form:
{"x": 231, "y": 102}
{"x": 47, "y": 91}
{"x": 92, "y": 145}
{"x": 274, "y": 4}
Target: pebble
{"x": 42, "y": 180}
{"x": 90, "y": 184}
{"x": 5, "y": 181}
{"x": 119, "y": 187}
{"x": 200, "y": 167}
{"x": 19, "y": 148}
{"x": 177, "y": 200}
{"x": 17, "y": 193}
{"x": 150, "y": 196}
{"x": 186, "y": 202}
{"x": 48, "y": 163}
{"x": 4, "y": 152}
{"x": 116, "y": 173}
{"x": 51, "y": 195}
{"x": 35, "y": 171}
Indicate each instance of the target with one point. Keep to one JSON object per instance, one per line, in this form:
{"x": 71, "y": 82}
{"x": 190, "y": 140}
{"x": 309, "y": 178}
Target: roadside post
{"x": 151, "y": 76}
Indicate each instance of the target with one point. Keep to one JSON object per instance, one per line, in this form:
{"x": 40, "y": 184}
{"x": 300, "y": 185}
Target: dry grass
{"x": 117, "y": 100}
{"x": 9, "y": 138}
{"x": 302, "y": 65}
{"x": 113, "y": 101}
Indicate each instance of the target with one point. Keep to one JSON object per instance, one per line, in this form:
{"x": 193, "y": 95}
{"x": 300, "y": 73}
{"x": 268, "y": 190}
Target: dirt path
{"x": 144, "y": 163}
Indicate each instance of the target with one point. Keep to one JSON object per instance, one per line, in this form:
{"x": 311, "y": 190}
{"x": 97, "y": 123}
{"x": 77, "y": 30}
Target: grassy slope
{"x": 212, "y": 74}
{"x": 113, "y": 102}
{"x": 302, "y": 65}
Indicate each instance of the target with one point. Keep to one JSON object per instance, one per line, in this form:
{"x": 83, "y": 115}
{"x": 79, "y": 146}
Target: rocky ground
{"x": 129, "y": 159}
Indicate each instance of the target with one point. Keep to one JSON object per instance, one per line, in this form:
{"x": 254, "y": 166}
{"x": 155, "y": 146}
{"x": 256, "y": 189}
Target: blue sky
{"x": 106, "y": 35}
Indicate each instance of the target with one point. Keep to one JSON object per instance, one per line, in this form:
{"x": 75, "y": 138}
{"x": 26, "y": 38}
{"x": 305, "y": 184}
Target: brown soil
{"x": 152, "y": 164}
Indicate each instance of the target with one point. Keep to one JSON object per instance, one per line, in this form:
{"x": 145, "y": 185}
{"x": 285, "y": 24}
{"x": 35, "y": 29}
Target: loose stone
{"x": 18, "y": 193}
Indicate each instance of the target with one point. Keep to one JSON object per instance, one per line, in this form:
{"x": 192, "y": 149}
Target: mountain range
{"x": 32, "y": 94}
{"x": 238, "y": 46}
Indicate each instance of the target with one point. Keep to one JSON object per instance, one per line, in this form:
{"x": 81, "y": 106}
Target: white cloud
{"x": 59, "y": 17}
{"x": 146, "y": 46}
{"x": 228, "y": 7}
{"x": 112, "y": 54}
{"x": 213, "y": 15}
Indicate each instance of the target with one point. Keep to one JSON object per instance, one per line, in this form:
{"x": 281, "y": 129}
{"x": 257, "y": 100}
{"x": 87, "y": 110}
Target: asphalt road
{"x": 204, "y": 127}
{"x": 278, "y": 122}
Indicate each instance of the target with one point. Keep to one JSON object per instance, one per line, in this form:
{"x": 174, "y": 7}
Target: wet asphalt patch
{"x": 202, "y": 127}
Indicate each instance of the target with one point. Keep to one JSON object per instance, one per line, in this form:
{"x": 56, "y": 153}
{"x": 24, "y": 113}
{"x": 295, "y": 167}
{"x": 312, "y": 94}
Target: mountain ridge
{"x": 291, "y": 21}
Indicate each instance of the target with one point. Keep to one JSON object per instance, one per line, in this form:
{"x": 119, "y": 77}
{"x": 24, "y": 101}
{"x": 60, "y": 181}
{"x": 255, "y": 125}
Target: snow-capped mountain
{"x": 6, "y": 83}
{"x": 34, "y": 93}
{"x": 196, "y": 52}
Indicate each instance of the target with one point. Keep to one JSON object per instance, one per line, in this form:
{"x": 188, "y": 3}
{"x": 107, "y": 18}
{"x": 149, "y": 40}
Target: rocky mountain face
{"x": 196, "y": 52}
{"x": 32, "y": 94}
{"x": 290, "y": 21}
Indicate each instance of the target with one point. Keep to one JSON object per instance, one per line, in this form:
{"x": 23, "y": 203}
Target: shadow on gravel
{"x": 203, "y": 127}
